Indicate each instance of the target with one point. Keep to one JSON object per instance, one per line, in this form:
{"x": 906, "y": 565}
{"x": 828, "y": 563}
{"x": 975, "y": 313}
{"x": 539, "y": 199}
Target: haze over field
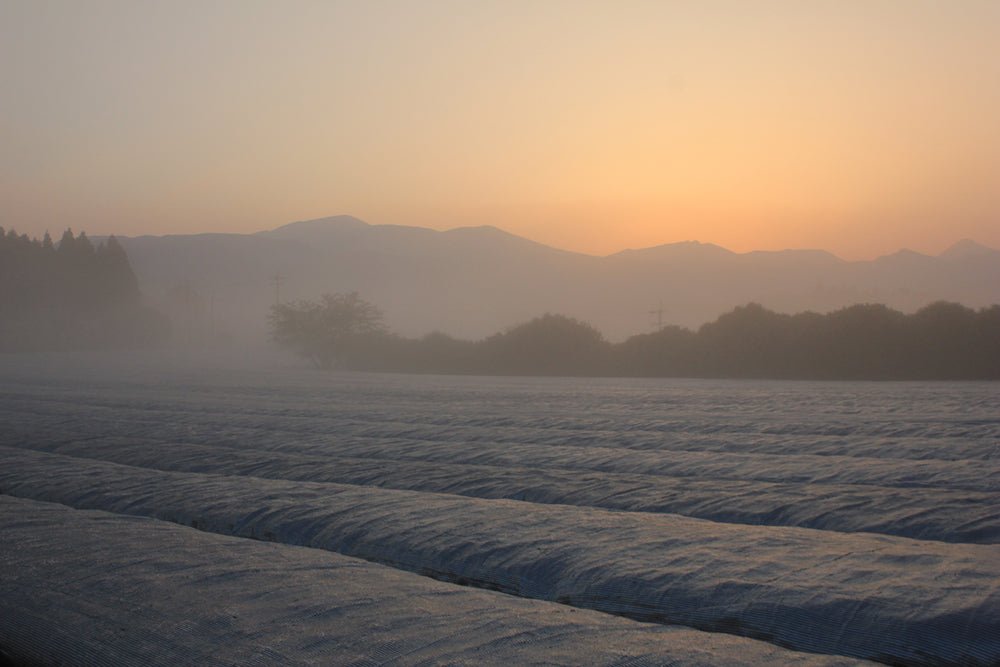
{"x": 472, "y": 282}
{"x": 665, "y": 332}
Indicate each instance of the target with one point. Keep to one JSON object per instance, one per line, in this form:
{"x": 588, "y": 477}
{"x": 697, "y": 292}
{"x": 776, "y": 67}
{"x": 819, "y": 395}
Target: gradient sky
{"x": 859, "y": 127}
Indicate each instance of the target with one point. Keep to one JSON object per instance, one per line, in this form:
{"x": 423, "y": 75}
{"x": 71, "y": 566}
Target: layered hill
{"x": 473, "y": 281}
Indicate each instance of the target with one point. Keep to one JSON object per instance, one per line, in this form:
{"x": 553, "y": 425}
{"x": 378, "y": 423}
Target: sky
{"x": 858, "y": 126}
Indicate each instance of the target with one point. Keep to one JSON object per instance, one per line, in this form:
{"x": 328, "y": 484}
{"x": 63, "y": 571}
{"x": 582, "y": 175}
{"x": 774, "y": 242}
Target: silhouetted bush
{"x": 866, "y": 341}
{"x": 547, "y": 345}
{"x": 671, "y": 351}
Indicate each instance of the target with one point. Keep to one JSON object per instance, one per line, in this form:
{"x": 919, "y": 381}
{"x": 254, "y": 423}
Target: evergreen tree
{"x": 69, "y": 295}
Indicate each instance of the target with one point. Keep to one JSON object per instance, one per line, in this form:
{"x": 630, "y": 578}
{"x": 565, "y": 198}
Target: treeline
{"x": 943, "y": 341}
{"x": 70, "y": 295}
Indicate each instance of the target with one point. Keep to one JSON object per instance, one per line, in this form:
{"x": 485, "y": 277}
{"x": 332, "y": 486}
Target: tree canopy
{"x": 550, "y": 344}
{"x": 945, "y": 341}
{"x": 326, "y": 331}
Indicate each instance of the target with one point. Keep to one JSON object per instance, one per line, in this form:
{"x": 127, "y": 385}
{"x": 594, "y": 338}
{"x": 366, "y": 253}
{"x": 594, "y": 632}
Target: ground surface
{"x": 590, "y": 521}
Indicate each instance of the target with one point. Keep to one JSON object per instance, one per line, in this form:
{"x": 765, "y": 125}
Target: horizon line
{"x": 694, "y": 242}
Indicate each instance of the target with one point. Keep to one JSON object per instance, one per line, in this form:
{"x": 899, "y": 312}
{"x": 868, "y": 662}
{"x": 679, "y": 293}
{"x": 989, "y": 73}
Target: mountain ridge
{"x": 961, "y": 248}
{"x": 472, "y": 281}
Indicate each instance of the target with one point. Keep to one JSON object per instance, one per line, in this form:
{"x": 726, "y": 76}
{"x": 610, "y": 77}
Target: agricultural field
{"x": 170, "y": 513}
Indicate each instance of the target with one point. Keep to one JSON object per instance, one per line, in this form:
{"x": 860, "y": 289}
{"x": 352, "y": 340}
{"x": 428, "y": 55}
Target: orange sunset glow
{"x": 858, "y": 127}
{"x": 581, "y": 333}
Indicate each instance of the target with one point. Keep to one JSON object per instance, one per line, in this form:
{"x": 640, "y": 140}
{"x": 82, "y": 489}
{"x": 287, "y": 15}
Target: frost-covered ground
{"x": 846, "y": 519}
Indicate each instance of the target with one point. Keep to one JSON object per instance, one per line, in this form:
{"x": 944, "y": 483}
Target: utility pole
{"x": 277, "y": 279}
{"x": 211, "y": 317}
{"x": 188, "y": 293}
{"x": 656, "y": 315}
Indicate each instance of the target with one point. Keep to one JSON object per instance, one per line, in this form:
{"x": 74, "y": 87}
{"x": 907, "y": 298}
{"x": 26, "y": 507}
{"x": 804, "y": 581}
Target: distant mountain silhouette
{"x": 684, "y": 250}
{"x": 473, "y": 281}
{"x": 968, "y": 248}
{"x": 308, "y": 230}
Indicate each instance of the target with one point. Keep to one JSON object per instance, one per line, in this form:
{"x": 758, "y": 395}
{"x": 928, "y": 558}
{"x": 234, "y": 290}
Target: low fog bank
{"x": 942, "y": 341}
{"x": 167, "y": 364}
{"x": 78, "y": 297}
{"x": 78, "y": 304}
{"x": 471, "y": 282}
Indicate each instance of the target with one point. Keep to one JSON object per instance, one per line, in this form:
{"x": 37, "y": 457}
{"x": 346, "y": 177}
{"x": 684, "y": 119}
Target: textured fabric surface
{"x": 857, "y": 519}
{"x": 92, "y": 588}
{"x": 864, "y": 595}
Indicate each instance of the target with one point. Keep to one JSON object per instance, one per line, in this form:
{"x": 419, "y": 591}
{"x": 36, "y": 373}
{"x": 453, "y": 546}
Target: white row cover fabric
{"x": 870, "y": 596}
{"x": 945, "y": 514}
{"x": 98, "y": 589}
